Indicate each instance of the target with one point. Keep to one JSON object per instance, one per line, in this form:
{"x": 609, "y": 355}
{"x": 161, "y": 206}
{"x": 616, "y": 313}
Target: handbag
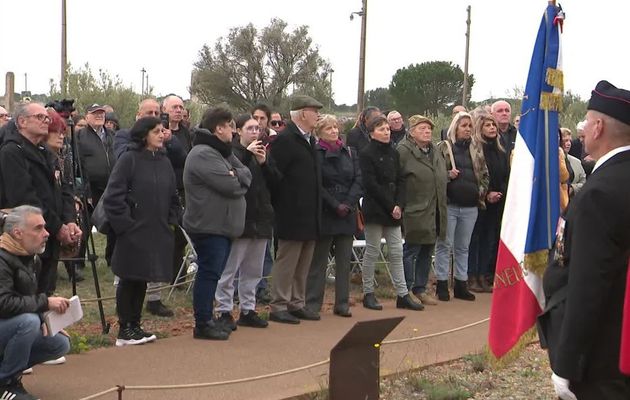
{"x": 99, "y": 218}
{"x": 360, "y": 221}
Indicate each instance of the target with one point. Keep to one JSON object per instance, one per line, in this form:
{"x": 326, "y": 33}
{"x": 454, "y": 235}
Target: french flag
{"x": 532, "y": 205}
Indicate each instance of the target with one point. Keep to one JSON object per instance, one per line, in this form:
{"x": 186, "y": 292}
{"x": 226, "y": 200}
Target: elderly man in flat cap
{"x": 586, "y": 280}
{"x": 296, "y": 202}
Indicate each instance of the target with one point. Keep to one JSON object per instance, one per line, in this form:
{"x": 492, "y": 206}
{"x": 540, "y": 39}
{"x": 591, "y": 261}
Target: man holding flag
{"x": 585, "y": 282}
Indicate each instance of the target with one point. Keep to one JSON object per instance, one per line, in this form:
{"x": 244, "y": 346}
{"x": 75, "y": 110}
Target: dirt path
{"x": 251, "y": 352}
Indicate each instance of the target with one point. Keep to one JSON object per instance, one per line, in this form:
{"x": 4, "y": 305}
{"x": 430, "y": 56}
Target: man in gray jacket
{"x": 215, "y": 182}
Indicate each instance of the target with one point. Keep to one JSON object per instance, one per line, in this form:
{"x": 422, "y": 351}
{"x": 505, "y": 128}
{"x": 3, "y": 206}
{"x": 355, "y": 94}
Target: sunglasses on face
{"x": 277, "y": 123}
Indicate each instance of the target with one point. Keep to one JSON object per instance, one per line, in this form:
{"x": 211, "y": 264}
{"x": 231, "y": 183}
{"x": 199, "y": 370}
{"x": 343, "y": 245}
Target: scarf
{"x": 328, "y": 146}
{"x": 204, "y": 136}
{"x": 8, "y": 243}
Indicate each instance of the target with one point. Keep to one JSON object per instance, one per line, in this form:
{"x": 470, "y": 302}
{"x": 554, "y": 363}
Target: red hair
{"x": 57, "y": 124}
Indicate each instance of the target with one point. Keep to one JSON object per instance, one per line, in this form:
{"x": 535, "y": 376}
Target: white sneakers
{"x": 57, "y": 361}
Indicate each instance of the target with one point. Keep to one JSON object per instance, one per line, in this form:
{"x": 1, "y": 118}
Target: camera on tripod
{"x": 64, "y": 107}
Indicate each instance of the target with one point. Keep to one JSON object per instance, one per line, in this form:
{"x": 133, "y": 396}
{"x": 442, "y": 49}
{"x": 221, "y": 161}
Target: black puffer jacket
{"x": 357, "y": 138}
{"x": 383, "y": 182}
{"x": 18, "y": 286}
{"x": 259, "y": 212}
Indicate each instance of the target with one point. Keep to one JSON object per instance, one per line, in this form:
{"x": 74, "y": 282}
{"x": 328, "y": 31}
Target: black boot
{"x": 369, "y": 301}
{"x": 407, "y": 302}
{"x": 461, "y": 291}
{"x": 442, "y": 291}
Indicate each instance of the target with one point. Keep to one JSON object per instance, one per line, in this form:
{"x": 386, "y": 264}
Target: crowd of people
{"x": 237, "y": 184}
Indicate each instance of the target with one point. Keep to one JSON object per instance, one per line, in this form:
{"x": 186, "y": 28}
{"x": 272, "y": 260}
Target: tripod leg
{"x": 91, "y": 255}
{"x": 73, "y": 276}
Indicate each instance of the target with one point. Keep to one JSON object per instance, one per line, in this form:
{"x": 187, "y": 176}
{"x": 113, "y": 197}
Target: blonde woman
{"x": 341, "y": 189}
{"x": 466, "y": 191}
{"x": 485, "y": 239}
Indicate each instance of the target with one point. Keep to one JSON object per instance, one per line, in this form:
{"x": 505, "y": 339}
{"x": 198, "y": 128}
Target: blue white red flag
{"x": 532, "y": 204}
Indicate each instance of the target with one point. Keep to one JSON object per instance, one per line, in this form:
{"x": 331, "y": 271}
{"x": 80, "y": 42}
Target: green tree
{"x": 379, "y": 97}
{"x": 249, "y": 66}
{"x": 86, "y": 87}
{"x": 428, "y": 88}
{"x": 573, "y": 110}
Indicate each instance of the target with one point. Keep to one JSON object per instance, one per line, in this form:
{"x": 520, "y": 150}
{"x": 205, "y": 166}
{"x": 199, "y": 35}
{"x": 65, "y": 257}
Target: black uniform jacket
{"x": 585, "y": 282}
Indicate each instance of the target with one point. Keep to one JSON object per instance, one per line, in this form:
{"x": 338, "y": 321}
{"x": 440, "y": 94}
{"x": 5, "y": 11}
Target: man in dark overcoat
{"x": 295, "y": 196}
{"x": 585, "y": 282}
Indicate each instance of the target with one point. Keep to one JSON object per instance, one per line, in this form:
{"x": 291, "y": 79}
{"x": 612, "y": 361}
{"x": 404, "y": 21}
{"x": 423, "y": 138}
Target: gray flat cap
{"x": 301, "y": 101}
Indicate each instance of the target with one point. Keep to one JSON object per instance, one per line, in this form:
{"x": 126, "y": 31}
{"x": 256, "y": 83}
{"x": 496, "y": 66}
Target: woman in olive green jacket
{"x": 424, "y": 218}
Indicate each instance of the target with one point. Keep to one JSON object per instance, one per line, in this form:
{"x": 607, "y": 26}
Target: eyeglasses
{"x": 40, "y": 117}
{"x": 277, "y": 123}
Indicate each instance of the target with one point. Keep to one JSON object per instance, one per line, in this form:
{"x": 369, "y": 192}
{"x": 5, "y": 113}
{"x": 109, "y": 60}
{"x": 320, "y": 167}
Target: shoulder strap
{"x": 450, "y": 153}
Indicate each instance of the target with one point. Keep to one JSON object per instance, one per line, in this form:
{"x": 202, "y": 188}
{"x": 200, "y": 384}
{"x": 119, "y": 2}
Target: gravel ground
{"x": 472, "y": 377}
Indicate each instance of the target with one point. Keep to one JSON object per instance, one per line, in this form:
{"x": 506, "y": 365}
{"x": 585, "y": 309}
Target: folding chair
{"x": 188, "y": 267}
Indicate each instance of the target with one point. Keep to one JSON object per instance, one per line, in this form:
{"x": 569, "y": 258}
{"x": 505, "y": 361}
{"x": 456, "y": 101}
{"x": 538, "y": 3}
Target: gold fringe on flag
{"x": 555, "y": 78}
{"x": 550, "y": 102}
{"x": 528, "y": 338}
{"x": 537, "y": 262}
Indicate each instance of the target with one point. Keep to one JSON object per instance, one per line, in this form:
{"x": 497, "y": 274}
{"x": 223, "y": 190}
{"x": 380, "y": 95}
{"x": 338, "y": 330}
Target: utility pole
{"x": 465, "y": 91}
{"x": 330, "y": 94}
{"x": 146, "y": 86}
{"x": 143, "y": 72}
{"x": 25, "y": 82}
{"x": 64, "y": 50}
{"x": 361, "y": 91}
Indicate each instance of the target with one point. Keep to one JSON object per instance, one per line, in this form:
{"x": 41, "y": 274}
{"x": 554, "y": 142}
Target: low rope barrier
{"x": 101, "y": 394}
{"x": 122, "y": 388}
{"x": 460, "y": 328}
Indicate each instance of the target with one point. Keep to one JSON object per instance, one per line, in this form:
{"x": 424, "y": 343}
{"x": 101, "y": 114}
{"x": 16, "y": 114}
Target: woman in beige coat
{"x": 424, "y": 218}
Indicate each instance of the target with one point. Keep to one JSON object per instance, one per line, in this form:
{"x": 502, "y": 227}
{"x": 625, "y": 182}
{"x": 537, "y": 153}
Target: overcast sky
{"x": 123, "y": 36}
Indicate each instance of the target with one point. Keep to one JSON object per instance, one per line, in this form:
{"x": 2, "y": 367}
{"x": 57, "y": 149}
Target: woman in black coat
{"x": 142, "y": 206}
{"x": 382, "y": 208}
{"x": 484, "y": 243}
{"x": 341, "y": 189}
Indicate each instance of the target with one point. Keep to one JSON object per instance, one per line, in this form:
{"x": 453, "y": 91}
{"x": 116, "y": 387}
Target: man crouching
{"x": 23, "y": 336}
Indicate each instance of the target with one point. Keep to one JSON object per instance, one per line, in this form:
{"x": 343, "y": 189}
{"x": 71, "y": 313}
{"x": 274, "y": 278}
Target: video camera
{"x": 64, "y": 107}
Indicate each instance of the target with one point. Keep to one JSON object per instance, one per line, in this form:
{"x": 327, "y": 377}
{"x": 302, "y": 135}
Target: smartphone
{"x": 164, "y": 117}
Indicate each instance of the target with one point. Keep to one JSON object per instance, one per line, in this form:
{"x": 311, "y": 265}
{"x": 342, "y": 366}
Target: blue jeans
{"x": 22, "y": 344}
{"x": 459, "y": 229}
{"x": 212, "y": 255}
{"x": 417, "y": 264}
{"x": 267, "y": 265}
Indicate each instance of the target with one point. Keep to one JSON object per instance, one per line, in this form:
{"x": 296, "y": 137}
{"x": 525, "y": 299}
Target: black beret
{"x": 610, "y": 100}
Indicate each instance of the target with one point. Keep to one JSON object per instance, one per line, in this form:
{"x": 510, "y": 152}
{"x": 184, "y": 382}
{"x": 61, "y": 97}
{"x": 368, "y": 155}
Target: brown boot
{"x": 474, "y": 284}
{"x": 486, "y": 285}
